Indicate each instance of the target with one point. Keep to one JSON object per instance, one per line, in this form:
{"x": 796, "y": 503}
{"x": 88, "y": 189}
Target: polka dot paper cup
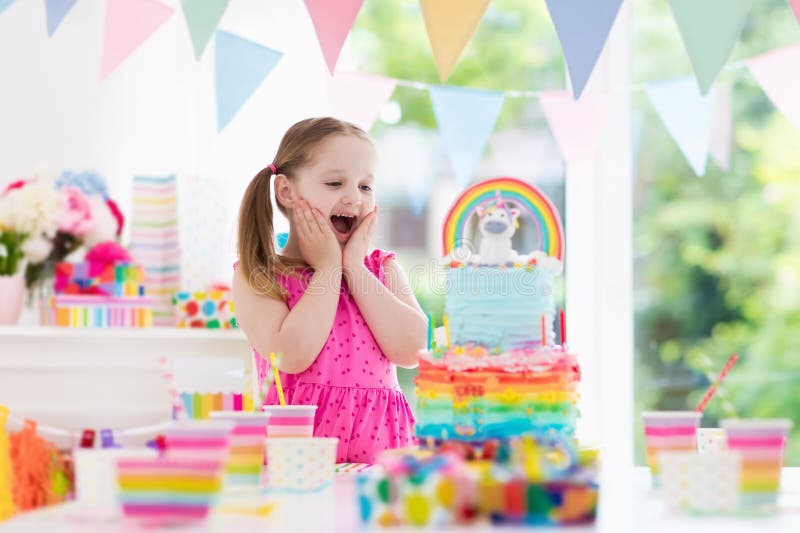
{"x": 290, "y": 421}
{"x": 700, "y": 483}
{"x": 668, "y": 431}
{"x": 301, "y": 464}
{"x": 711, "y": 440}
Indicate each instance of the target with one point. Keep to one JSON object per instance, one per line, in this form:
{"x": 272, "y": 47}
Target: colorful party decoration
{"x": 771, "y": 71}
{"x": 709, "y": 30}
{"x": 204, "y": 309}
{"x": 202, "y": 17}
{"x": 6, "y": 501}
{"x": 358, "y": 98}
{"x": 577, "y": 125}
{"x": 240, "y": 67}
{"x": 721, "y": 127}
{"x": 523, "y": 195}
{"x": 128, "y": 23}
{"x": 56, "y": 11}
{"x": 582, "y": 27}
{"x": 687, "y": 115}
{"x": 466, "y": 119}
{"x": 450, "y": 25}
{"x": 794, "y": 3}
{"x": 332, "y": 22}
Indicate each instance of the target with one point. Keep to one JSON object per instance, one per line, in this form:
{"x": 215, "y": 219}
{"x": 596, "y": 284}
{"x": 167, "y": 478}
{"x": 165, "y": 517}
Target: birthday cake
{"x": 501, "y": 372}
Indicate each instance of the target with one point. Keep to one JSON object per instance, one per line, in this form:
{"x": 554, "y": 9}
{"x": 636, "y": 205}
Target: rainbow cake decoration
{"x": 501, "y": 373}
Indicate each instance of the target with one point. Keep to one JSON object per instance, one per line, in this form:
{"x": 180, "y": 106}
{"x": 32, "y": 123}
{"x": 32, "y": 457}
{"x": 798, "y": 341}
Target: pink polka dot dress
{"x": 352, "y": 383}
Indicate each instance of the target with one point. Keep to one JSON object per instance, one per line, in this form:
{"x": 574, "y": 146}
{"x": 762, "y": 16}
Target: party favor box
{"x": 211, "y": 309}
{"x": 119, "y": 280}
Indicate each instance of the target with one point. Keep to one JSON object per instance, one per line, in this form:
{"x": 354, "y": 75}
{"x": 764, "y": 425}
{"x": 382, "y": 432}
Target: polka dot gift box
{"x": 204, "y": 309}
{"x": 301, "y": 464}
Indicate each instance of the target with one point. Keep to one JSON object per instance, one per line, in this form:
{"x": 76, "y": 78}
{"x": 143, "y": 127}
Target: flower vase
{"x": 12, "y": 293}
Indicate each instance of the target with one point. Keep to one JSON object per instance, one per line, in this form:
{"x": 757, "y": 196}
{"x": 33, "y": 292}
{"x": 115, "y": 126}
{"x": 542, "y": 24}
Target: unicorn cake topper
{"x": 497, "y": 224}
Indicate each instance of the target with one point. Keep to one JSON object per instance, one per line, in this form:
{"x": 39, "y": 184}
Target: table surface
{"x": 627, "y": 504}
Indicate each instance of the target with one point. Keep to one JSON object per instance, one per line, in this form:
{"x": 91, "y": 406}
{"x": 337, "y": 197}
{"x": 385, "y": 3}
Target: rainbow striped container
{"x": 95, "y": 311}
{"x": 246, "y": 456}
{"x": 668, "y": 431}
{"x": 762, "y": 444}
{"x": 165, "y": 491}
{"x": 202, "y": 440}
{"x": 290, "y": 420}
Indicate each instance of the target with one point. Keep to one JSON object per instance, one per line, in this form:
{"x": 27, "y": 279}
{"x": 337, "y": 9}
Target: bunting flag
{"x": 240, "y": 67}
{"x": 4, "y": 4}
{"x": 576, "y": 124}
{"x": 582, "y": 27}
{"x": 687, "y": 115}
{"x": 709, "y": 29}
{"x": 450, "y": 25}
{"x": 466, "y": 119}
{"x": 721, "y": 126}
{"x": 776, "y": 72}
{"x": 794, "y": 3}
{"x": 202, "y": 17}
{"x": 128, "y": 24}
{"x": 332, "y": 22}
{"x": 358, "y": 98}
{"x": 56, "y": 11}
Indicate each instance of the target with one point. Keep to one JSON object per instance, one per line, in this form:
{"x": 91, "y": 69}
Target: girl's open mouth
{"x": 343, "y": 223}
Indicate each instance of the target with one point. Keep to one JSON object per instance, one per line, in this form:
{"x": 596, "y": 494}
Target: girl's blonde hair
{"x": 258, "y": 261}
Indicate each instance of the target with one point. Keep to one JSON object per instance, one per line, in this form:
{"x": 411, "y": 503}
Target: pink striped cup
{"x": 246, "y": 446}
{"x": 290, "y": 420}
{"x": 198, "y": 439}
{"x": 668, "y": 431}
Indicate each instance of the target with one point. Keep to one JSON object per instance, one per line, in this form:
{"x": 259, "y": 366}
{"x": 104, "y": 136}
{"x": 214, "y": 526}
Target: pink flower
{"x": 14, "y": 185}
{"x": 108, "y": 253}
{"x": 117, "y": 213}
{"x": 75, "y": 212}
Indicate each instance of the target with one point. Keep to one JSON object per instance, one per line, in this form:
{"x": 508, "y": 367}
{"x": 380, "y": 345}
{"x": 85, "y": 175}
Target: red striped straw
{"x": 544, "y": 334}
{"x": 178, "y": 412}
{"x": 713, "y": 388}
{"x": 563, "y": 322}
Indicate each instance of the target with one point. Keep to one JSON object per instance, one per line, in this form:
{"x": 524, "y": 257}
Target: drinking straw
{"x": 430, "y": 330}
{"x": 544, "y": 333}
{"x": 713, "y": 388}
{"x": 446, "y": 321}
{"x": 178, "y": 412}
{"x": 277, "y": 377}
{"x": 563, "y": 322}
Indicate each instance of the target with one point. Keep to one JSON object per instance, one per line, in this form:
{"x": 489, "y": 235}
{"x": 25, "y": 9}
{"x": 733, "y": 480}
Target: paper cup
{"x": 290, "y": 421}
{"x": 96, "y": 473}
{"x": 711, "y": 440}
{"x": 700, "y": 483}
{"x": 246, "y": 450}
{"x": 668, "y": 431}
{"x": 198, "y": 439}
{"x": 762, "y": 444}
{"x": 301, "y": 464}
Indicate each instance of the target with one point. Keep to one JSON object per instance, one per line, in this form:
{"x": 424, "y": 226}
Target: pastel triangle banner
{"x": 710, "y": 29}
{"x": 240, "y": 67}
{"x": 332, "y": 21}
{"x": 202, "y": 17}
{"x": 358, "y": 98}
{"x": 450, "y": 25}
{"x": 582, "y": 27}
{"x": 4, "y": 4}
{"x": 56, "y": 11}
{"x": 776, "y": 72}
{"x": 129, "y": 23}
{"x": 577, "y": 125}
{"x": 796, "y": 8}
{"x": 687, "y": 115}
{"x": 722, "y": 126}
{"x": 466, "y": 119}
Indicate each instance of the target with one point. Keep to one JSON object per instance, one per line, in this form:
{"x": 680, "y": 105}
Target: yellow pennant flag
{"x": 450, "y": 24}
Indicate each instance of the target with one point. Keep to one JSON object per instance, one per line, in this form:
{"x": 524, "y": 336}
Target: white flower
{"x": 3, "y": 250}
{"x": 32, "y": 209}
{"x": 105, "y": 225}
{"x": 37, "y": 248}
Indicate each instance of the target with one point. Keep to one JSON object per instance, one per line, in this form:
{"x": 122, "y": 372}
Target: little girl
{"x": 341, "y": 316}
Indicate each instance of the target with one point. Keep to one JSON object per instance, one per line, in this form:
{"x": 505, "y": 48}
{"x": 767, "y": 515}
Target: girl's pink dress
{"x": 352, "y": 383}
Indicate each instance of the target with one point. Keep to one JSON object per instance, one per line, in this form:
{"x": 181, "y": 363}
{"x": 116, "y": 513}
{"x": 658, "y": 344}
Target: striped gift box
{"x": 95, "y": 311}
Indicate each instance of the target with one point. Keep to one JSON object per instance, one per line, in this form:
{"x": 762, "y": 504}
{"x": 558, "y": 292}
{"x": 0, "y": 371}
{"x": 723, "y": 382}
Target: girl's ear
{"x": 284, "y": 191}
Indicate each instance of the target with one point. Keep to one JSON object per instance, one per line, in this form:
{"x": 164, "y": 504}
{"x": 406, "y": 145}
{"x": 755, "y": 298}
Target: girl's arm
{"x": 299, "y": 334}
{"x": 394, "y": 316}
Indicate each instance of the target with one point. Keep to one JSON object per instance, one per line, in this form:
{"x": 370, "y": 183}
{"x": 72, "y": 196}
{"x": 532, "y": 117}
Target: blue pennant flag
{"x": 240, "y": 67}
{"x": 582, "y": 27}
{"x": 687, "y": 115}
{"x": 466, "y": 119}
{"x": 56, "y": 11}
{"x": 4, "y": 4}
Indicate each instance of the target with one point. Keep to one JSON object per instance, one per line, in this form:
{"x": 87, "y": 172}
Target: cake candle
{"x": 563, "y": 321}
{"x": 446, "y": 330}
{"x": 544, "y": 334}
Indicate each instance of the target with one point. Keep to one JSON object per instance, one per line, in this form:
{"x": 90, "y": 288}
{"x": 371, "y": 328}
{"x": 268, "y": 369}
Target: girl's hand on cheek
{"x": 318, "y": 244}
{"x": 357, "y": 246}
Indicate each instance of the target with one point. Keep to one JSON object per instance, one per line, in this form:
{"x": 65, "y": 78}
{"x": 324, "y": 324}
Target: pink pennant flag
{"x": 358, "y": 98}
{"x": 776, "y": 72}
{"x": 332, "y": 22}
{"x": 128, "y": 24}
{"x": 720, "y": 148}
{"x": 796, "y": 8}
{"x": 576, "y": 124}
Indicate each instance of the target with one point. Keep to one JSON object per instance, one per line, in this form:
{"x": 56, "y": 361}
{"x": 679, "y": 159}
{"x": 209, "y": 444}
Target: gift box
{"x": 98, "y": 311}
{"x": 99, "y": 279}
{"x": 211, "y": 309}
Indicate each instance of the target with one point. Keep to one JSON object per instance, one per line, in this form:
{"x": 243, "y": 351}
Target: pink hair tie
{"x": 273, "y": 168}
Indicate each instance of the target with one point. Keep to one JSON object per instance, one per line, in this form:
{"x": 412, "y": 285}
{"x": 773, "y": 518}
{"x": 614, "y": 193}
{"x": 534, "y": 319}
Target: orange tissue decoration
{"x": 34, "y": 462}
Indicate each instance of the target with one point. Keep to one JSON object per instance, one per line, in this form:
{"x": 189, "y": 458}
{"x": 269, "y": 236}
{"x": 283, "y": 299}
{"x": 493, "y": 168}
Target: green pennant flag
{"x": 709, "y": 29}
{"x": 202, "y": 16}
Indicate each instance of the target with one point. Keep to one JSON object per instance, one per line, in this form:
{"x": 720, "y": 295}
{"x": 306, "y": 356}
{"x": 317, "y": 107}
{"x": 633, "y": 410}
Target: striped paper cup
{"x": 288, "y": 421}
{"x": 301, "y": 464}
{"x": 762, "y": 444}
{"x": 668, "y": 431}
{"x": 164, "y": 491}
{"x": 96, "y": 473}
{"x": 246, "y": 456}
{"x": 198, "y": 439}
